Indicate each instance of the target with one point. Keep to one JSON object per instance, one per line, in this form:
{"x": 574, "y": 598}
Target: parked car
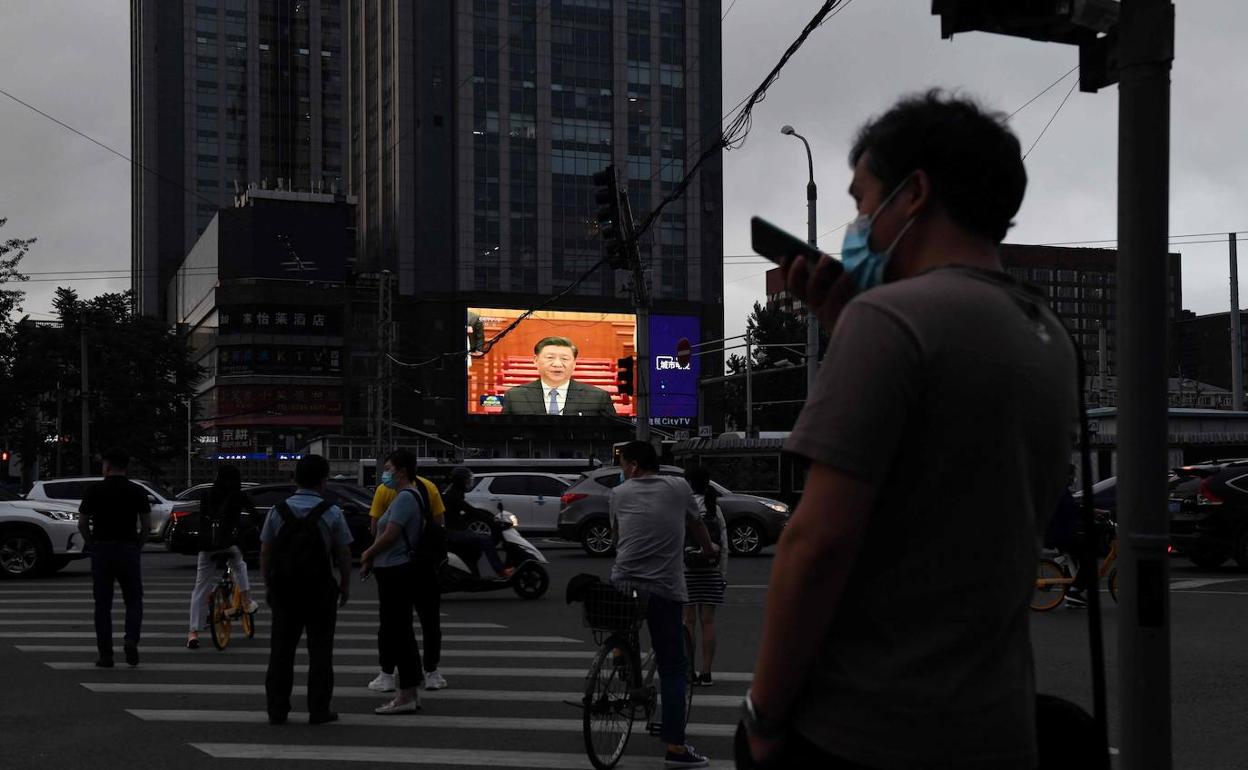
{"x": 183, "y": 533}
{"x": 1211, "y": 525}
{"x": 36, "y": 537}
{"x": 70, "y": 492}
{"x": 198, "y": 492}
{"x": 534, "y": 498}
{"x": 753, "y": 522}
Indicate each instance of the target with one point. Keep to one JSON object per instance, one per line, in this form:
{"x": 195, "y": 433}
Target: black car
{"x": 183, "y": 533}
{"x": 1209, "y": 513}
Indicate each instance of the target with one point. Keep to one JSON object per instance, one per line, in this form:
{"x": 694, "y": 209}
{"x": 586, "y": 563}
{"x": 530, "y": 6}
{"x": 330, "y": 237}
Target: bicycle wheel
{"x": 219, "y": 617}
{"x": 1113, "y": 584}
{"x": 1051, "y": 585}
{"x": 248, "y": 618}
{"x": 607, "y": 720}
{"x": 690, "y": 673}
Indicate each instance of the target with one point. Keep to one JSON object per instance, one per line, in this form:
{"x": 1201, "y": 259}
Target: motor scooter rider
{"x": 459, "y": 512}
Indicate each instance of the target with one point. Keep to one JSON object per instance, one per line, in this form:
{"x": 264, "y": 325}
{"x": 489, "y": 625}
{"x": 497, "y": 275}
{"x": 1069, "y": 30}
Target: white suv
{"x": 36, "y": 537}
{"x": 70, "y": 492}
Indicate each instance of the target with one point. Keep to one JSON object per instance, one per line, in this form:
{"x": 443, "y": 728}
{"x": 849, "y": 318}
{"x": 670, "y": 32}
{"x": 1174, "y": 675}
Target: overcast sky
{"x": 71, "y": 59}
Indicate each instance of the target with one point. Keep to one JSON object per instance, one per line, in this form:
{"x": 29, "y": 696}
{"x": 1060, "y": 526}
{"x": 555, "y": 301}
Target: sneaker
{"x": 704, "y": 680}
{"x": 277, "y": 719}
{"x": 192, "y": 641}
{"x": 687, "y": 758}
{"x": 132, "y": 653}
{"x": 252, "y": 606}
{"x": 434, "y": 681}
{"x": 383, "y": 683}
{"x": 1076, "y": 600}
{"x": 397, "y": 707}
{"x": 104, "y": 661}
{"x": 320, "y": 719}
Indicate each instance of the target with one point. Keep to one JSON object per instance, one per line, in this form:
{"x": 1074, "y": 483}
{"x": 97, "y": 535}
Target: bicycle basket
{"x": 609, "y": 609}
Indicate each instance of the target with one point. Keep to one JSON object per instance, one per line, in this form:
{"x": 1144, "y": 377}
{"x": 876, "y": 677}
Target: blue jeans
{"x": 116, "y": 562}
{"x": 667, "y": 637}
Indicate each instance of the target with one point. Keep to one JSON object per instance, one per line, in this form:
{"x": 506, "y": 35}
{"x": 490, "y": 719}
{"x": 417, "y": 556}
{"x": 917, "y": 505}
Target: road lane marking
{"x": 1183, "y": 585}
{"x": 405, "y": 755}
{"x": 258, "y": 668}
{"x": 514, "y": 696}
{"x": 344, "y": 652}
{"x": 87, "y": 621}
{"x": 527, "y": 724}
{"x": 259, "y": 636}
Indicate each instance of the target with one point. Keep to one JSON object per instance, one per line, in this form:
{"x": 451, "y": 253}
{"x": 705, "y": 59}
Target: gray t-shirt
{"x": 404, "y": 511}
{"x": 650, "y": 513}
{"x": 954, "y": 394}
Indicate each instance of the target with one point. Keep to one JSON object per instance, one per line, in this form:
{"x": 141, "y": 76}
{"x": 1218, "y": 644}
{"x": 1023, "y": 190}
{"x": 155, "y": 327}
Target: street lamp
{"x": 812, "y": 323}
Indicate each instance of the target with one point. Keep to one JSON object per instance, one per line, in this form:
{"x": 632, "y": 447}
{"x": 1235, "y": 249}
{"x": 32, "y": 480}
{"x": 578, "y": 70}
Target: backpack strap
{"x": 283, "y": 510}
{"x": 315, "y": 513}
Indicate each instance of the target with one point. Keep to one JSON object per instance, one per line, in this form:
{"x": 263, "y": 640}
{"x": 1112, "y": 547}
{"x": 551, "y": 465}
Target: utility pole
{"x": 749, "y": 384}
{"x": 383, "y": 414}
{"x": 189, "y": 450}
{"x": 1237, "y": 333}
{"x": 1146, "y": 50}
{"x": 86, "y": 424}
{"x": 812, "y": 237}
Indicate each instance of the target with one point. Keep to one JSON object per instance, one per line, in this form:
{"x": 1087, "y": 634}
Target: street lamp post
{"x": 812, "y": 323}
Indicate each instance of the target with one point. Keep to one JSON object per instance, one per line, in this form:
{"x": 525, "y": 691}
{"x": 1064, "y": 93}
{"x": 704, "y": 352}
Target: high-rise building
{"x": 477, "y": 125}
{"x": 226, "y": 93}
{"x": 1204, "y": 347}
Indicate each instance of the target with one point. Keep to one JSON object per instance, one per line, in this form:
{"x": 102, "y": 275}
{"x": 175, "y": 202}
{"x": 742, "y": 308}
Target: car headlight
{"x": 778, "y": 507}
{"x": 58, "y": 515}
{"x": 512, "y": 519}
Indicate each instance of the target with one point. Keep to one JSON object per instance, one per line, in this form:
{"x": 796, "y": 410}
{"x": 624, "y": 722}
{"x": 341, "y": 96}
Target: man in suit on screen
{"x": 555, "y": 392}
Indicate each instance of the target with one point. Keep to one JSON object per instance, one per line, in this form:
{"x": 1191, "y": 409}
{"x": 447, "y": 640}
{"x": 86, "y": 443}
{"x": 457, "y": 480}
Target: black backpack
{"x": 299, "y": 562}
{"x": 431, "y": 548}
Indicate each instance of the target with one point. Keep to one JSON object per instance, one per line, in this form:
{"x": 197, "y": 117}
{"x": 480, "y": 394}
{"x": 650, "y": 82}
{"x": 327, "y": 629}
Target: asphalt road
{"x": 511, "y": 665}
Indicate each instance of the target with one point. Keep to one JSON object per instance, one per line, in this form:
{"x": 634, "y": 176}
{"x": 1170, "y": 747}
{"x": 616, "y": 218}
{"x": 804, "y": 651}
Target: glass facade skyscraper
{"x": 225, "y": 93}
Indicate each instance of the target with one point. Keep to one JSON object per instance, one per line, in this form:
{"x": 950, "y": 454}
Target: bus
{"x": 438, "y": 470}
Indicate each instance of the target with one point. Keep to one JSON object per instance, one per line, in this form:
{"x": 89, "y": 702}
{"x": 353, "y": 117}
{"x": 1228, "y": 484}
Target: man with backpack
{"x": 303, "y": 537}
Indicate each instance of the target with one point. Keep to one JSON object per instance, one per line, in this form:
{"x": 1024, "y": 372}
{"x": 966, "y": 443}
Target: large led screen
{"x": 673, "y": 385}
{"x": 553, "y": 363}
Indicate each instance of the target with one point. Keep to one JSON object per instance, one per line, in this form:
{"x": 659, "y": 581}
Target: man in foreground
{"x": 302, "y": 536}
{"x": 939, "y": 432}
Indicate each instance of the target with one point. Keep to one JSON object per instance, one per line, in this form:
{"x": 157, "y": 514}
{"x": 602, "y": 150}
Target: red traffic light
{"x": 684, "y": 352}
{"x": 4, "y": 456}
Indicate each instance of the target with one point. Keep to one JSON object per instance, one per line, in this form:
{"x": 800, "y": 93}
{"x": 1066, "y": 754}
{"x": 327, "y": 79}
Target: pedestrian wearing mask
{"x": 395, "y": 558}
{"x": 220, "y": 517}
{"x": 706, "y": 579}
{"x": 939, "y": 433}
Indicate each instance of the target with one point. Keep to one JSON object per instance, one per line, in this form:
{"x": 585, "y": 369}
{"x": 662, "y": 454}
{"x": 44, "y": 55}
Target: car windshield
{"x": 1101, "y": 486}
{"x": 160, "y": 491}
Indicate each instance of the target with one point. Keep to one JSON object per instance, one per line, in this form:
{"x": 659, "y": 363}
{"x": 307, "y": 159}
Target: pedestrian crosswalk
{"x": 513, "y": 700}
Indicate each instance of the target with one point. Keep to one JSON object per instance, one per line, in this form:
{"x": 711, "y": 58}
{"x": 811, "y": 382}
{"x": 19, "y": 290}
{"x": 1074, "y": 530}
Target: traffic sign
{"x": 684, "y": 351}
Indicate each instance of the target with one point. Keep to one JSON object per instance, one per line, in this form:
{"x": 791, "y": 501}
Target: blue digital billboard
{"x": 673, "y": 387}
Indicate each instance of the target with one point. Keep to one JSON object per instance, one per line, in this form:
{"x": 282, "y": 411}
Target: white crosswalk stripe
{"x": 507, "y": 688}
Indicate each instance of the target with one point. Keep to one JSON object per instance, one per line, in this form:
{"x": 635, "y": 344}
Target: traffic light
{"x": 4, "y": 463}
{"x": 624, "y": 375}
{"x": 611, "y": 217}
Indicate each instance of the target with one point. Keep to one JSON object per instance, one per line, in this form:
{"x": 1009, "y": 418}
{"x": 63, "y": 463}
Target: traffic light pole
{"x": 1146, "y": 35}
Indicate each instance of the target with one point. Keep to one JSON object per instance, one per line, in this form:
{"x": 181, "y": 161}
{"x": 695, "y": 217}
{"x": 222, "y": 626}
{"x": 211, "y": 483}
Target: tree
{"x": 779, "y": 342}
{"x": 11, "y": 253}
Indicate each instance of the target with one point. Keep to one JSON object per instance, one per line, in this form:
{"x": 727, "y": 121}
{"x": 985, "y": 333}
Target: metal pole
{"x": 641, "y": 372}
{"x": 188, "y": 444}
{"x": 1237, "y": 334}
{"x": 1146, "y": 51}
{"x": 749, "y": 385}
{"x": 86, "y": 425}
{"x": 812, "y": 323}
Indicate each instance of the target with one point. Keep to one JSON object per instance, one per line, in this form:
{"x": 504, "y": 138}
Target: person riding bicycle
{"x": 220, "y": 521}
{"x": 459, "y": 513}
{"x": 1064, "y": 534}
{"x": 650, "y": 517}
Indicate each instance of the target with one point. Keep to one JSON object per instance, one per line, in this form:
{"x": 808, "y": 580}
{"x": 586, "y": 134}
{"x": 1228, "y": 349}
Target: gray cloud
{"x": 71, "y": 58}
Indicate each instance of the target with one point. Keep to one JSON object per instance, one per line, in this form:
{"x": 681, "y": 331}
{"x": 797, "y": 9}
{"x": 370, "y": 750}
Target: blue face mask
{"x": 387, "y": 480}
{"x": 622, "y": 478}
{"x": 864, "y": 265}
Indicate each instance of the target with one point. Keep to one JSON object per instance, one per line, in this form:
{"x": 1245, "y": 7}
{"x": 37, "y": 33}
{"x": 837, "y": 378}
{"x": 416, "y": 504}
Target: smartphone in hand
{"x": 780, "y": 247}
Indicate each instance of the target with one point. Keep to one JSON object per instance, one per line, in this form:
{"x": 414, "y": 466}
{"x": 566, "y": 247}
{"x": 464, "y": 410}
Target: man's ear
{"x": 917, "y": 194}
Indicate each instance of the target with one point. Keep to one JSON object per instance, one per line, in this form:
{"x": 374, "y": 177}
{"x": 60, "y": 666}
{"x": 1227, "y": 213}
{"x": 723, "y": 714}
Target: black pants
{"x": 396, "y": 596}
{"x": 291, "y": 618}
{"x": 798, "y": 752}
{"x": 427, "y": 600}
{"x": 120, "y": 563}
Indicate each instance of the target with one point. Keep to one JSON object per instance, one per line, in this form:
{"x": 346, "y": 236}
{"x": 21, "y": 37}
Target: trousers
{"x": 116, "y": 563}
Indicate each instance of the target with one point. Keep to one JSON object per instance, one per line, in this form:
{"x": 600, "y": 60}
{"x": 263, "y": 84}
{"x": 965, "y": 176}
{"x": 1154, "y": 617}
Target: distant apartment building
{"x": 1204, "y": 346}
{"x": 226, "y": 93}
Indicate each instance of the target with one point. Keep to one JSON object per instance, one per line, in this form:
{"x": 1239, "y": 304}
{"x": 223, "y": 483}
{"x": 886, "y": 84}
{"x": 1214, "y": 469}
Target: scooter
{"x": 462, "y": 572}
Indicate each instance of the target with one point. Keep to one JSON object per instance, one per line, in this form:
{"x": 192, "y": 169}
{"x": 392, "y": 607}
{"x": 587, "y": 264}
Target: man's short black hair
{"x": 642, "y": 453}
{"x": 973, "y": 159}
{"x": 117, "y": 458}
{"x": 404, "y": 460}
{"x": 311, "y": 470}
{"x": 560, "y": 342}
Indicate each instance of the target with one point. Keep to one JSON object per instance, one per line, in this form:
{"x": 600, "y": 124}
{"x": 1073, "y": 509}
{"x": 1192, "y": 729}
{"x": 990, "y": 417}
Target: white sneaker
{"x": 395, "y": 707}
{"x": 434, "y": 681}
{"x": 383, "y": 683}
{"x": 252, "y": 606}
